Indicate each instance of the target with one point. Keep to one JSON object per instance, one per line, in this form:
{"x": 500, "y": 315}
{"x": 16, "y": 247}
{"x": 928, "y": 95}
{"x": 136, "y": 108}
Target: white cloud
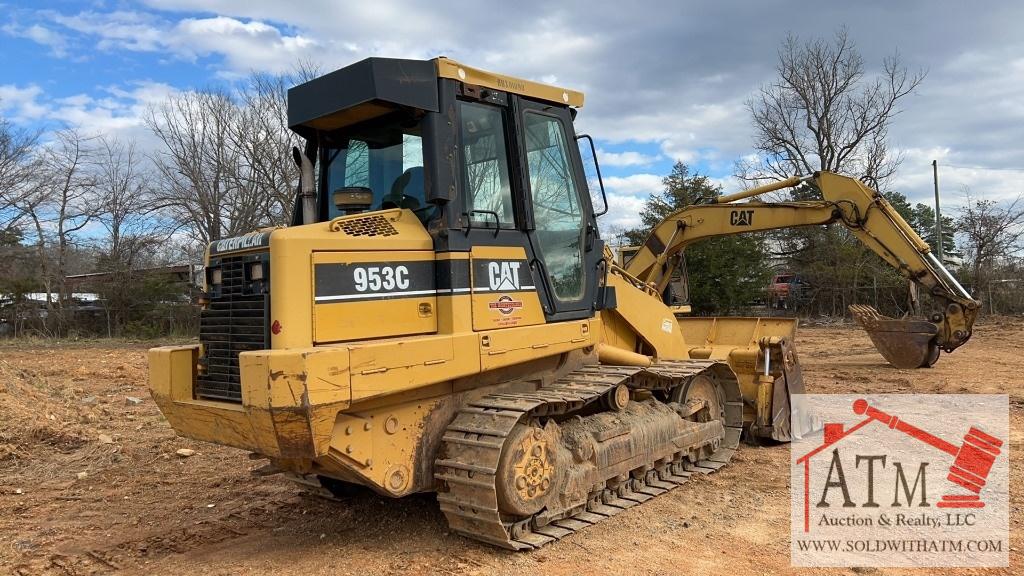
{"x": 117, "y": 30}
{"x": 119, "y": 114}
{"x": 529, "y": 47}
{"x": 245, "y": 46}
{"x": 384, "y": 27}
{"x": 728, "y": 184}
{"x": 40, "y": 35}
{"x": 626, "y": 197}
{"x": 715, "y": 132}
{"x": 144, "y": 93}
{"x": 642, "y": 185}
{"x": 627, "y": 158}
{"x": 915, "y": 179}
{"x": 22, "y": 103}
{"x": 623, "y": 213}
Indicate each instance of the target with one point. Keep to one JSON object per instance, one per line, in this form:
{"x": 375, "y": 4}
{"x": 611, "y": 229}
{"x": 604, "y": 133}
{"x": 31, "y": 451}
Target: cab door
{"x": 502, "y": 287}
{"x": 560, "y": 223}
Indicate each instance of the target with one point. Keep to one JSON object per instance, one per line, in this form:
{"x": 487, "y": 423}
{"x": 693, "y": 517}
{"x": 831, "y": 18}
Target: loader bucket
{"x": 743, "y": 343}
{"x": 905, "y": 344}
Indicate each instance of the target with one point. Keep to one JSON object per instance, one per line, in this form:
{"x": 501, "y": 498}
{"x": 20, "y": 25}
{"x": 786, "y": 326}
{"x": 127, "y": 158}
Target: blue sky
{"x": 665, "y": 80}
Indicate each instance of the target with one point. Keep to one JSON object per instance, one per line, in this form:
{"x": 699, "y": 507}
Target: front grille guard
{"x": 234, "y": 321}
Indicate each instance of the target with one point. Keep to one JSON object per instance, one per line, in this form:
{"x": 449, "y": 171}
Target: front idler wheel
{"x": 703, "y": 388}
{"x": 529, "y": 472}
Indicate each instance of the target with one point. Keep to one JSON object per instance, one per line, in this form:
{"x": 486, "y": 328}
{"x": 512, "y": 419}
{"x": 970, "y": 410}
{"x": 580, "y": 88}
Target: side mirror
{"x": 597, "y": 169}
{"x": 352, "y": 199}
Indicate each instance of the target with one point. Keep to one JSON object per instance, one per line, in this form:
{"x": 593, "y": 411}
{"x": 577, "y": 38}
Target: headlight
{"x": 256, "y": 271}
{"x": 216, "y": 276}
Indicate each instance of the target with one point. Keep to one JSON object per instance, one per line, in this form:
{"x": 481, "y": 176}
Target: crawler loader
{"x": 443, "y": 316}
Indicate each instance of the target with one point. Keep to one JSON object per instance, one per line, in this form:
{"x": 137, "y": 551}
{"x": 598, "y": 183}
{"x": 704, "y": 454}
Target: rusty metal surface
{"x": 790, "y": 382}
{"x": 905, "y": 344}
{"x": 641, "y": 450}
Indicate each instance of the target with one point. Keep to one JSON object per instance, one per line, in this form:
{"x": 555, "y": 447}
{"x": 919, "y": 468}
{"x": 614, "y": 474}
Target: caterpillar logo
{"x": 741, "y": 217}
{"x": 251, "y": 240}
{"x": 503, "y": 275}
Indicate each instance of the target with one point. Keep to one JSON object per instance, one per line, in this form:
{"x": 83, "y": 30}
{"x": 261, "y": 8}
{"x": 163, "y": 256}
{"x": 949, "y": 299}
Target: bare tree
{"x": 226, "y": 167}
{"x": 262, "y": 142}
{"x": 991, "y": 234}
{"x": 133, "y": 230}
{"x": 59, "y": 203}
{"x": 201, "y": 187}
{"x": 17, "y": 267}
{"x": 17, "y": 154}
{"x": 823, "y": 113}
{"x": 124, "y": 202}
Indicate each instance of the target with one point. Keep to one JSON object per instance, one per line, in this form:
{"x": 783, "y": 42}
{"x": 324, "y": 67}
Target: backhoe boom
{"x": 844, "y": 200}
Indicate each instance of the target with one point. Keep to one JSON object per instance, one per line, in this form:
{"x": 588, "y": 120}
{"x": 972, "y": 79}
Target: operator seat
{"x": 406, "y": 191}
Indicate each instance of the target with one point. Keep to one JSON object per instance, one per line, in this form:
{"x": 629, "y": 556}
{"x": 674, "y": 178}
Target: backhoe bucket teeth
{"x": 905, "y": 344}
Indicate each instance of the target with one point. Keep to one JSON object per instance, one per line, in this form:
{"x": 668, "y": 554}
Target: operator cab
{"x": 482, "y": 161}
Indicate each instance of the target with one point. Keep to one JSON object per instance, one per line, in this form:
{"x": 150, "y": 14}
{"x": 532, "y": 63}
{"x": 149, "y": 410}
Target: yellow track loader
{"x": 443, "y": 316}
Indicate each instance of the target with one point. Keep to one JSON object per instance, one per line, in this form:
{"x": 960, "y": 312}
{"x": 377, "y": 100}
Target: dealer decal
{"x": 505, "y": 304}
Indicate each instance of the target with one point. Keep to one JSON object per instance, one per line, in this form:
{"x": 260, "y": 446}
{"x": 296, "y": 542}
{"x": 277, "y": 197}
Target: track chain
{"x": 473, "y": 442}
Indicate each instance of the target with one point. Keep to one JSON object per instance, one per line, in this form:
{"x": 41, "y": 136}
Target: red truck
{"x": 785, "y": 290}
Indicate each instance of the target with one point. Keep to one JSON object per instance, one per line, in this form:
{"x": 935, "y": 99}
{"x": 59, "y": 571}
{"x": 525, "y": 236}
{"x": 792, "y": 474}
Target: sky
{"x": 664, "y": 80}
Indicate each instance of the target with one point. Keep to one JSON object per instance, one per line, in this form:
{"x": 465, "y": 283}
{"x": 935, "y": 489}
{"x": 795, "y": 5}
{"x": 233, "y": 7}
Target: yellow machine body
{"x": 362, "y": 390}
{"x": 464, "y": 334}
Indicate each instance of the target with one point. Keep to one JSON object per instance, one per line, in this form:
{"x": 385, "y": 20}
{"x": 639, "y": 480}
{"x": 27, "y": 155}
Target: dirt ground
{"x": 90, "y": 483}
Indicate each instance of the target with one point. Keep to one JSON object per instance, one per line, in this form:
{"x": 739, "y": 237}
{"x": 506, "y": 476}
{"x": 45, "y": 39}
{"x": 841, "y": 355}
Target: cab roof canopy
{"x": 375, "y": 86}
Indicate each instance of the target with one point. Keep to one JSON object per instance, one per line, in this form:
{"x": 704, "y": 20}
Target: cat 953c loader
{"x": 443, "y": 315}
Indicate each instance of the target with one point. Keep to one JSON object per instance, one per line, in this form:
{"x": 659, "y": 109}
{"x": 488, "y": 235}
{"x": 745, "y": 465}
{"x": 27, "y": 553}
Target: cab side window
{"x": 488, "y": 196}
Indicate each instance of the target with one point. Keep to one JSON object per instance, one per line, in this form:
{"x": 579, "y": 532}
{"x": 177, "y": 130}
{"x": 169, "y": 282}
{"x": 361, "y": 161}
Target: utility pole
{"x": 938, "y": 212}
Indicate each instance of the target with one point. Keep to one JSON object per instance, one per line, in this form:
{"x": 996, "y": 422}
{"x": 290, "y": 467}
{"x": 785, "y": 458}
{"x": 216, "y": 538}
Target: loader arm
{"x": 844, "y": 200}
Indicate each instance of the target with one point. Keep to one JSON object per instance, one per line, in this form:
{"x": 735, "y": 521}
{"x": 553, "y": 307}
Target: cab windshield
{"x": 384, "y": 156}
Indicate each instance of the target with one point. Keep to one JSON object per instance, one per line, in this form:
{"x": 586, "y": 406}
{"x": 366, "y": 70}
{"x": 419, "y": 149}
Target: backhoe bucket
{"x": 905, "y": 344}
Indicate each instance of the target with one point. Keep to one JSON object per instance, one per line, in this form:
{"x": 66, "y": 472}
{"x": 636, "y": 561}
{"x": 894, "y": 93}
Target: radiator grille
{"x": 234, "y": 321}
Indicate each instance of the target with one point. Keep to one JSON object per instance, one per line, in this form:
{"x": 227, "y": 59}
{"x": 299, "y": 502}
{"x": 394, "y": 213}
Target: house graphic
{"x": 972, "y": 461}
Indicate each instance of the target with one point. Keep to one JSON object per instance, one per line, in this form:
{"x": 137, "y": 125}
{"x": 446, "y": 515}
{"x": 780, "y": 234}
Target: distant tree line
{"x": 73, "y": 203}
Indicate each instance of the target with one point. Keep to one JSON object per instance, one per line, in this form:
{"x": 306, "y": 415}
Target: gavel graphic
{"x": 972, "y": 460}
